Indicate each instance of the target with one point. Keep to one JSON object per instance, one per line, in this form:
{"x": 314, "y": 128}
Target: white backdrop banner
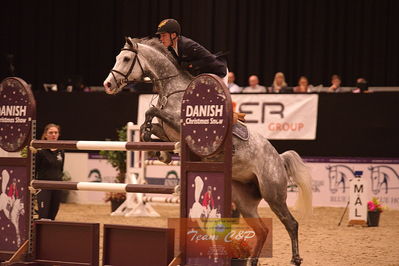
{"x": 145, "y": 101}
{"x": 279, "y": 116}
{"x": 273, "y": 115}
{"x": 331, "y": 181}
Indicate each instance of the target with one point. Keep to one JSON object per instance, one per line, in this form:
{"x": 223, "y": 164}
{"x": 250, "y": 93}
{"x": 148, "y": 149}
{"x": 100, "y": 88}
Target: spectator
{"x": 335, "y": 84}
{"x": 303, "y": 85}
{"x": 361, "y": 86}
{"x": 254, "y": 86}
{"x": 49, "y": 166}
{"x": 279, "y": 85}
{"x": 233, "y": 88}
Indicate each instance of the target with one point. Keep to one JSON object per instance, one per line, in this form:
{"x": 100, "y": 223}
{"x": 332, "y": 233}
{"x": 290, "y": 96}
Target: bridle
{"x": 133, "y": 47}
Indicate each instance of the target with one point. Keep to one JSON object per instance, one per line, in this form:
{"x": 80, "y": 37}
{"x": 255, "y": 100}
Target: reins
{"x": 134, "y": 49}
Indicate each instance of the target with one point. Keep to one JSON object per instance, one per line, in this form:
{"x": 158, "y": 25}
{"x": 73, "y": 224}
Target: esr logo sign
{"x": 272, "y": 108}
{"x": 280, "y": 116}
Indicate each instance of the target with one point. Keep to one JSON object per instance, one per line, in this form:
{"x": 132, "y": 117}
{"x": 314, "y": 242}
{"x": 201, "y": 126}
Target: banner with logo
{"x": 331, "y": 179}
{"x": 273, "y": 115}
{"x": 279, "y": 116}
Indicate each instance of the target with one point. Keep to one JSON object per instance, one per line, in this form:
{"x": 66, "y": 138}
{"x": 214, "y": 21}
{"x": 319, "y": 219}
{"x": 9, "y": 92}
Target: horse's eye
{"x": 126, "y": 59}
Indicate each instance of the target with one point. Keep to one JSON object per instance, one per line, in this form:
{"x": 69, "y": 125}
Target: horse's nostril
{"x": 108, "y": 84}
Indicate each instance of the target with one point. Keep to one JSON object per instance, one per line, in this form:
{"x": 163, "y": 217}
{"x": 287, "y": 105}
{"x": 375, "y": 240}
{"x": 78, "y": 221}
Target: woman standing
{"x": 49, "y": 166}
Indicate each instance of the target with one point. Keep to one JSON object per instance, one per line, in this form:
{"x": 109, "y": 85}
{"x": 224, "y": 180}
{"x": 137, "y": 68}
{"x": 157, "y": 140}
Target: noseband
{"x": 134, "y": 49}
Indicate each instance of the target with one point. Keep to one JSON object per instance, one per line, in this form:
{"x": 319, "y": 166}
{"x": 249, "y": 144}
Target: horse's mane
{"x": 156, "y": 44}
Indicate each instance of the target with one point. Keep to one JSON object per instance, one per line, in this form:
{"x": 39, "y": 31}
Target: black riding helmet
{"x": 169, "y": 26}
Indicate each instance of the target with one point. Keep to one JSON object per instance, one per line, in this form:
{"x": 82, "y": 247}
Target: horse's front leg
{"x": 146, "y": 127}
{"x": 162, "y": 115}
{"x": 158, "y": 131}
{"x": 16, "y": 224}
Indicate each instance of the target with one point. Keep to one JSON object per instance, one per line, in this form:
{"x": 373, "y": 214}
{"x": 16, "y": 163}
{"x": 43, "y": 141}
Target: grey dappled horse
{"x": 259, "y": 172}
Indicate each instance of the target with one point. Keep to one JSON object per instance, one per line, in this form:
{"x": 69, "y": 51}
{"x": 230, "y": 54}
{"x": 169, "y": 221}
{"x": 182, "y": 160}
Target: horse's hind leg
{"x": 291, "y": 225}
{"x": 247, "y": 198}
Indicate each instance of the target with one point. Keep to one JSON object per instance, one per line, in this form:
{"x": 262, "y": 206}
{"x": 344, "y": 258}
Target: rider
{"x": 13, "y": 191}
{"x": 208, "y": 201}
{"x": 12, "y": 195}
{"x": 191, "y": 56}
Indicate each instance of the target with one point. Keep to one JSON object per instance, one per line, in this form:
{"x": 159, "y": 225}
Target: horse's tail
{"x": 299, "y": 173}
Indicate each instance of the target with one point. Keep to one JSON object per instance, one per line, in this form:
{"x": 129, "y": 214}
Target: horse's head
{"x": 380, "y": 176}
{"x": 338, "y": 175}
{"x": 332, "y": 177}
{"x": 375, "y": 177}
{"x": 141, "y": 58}
{"x": 127, "y": 68}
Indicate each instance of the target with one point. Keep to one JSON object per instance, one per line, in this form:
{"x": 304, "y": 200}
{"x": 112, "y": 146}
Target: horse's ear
{"x": 128, "y": 41}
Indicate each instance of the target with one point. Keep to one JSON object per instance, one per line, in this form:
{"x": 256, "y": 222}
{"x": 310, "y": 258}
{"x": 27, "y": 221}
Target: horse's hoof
{"x": 296, "y": 260}
{"x": 165, "y": 157}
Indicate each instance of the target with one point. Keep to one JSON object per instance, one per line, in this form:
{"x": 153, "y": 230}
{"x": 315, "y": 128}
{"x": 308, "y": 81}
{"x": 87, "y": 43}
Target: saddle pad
{"x": 240, "y": 130}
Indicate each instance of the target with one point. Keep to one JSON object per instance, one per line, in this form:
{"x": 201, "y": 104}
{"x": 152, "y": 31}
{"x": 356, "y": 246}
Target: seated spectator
{"x": 233, "y": 88}
{"x": 361, "y": 86}
{"x": 279, "y": 85}
{"x": 335, "y": 84}
{"x": 254, "y": 86}
{"x": 303, "y": 85}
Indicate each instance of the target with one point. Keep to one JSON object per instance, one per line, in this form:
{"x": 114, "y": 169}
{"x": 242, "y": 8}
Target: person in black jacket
{"x": 49, "y": 166}
{"x": 192, "y": 56}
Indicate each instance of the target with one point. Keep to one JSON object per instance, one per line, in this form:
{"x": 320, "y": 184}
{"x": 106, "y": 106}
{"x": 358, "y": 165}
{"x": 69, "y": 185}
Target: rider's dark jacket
{"x": 201, "y": 60}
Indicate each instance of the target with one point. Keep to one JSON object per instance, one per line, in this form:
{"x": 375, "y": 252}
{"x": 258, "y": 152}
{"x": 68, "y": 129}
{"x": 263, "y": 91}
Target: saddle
{"x": 239, "y": 129}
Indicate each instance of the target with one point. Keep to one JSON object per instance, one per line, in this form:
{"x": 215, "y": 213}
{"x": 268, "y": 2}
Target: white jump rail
{"x": 104, "y": 145}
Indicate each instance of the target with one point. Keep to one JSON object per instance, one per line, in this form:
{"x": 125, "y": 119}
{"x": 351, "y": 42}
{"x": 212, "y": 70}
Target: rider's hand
{"x": 186, "y": 65}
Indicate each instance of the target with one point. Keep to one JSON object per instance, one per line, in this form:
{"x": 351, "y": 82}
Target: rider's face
{"x": 165, "y": 38}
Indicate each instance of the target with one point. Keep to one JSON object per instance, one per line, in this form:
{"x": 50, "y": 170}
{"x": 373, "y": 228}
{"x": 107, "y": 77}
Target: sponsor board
{"x": 275, "y": 116}
{"x": 279, "y": 116}
{"x": 331, "y": 179}
{"x": 330, "y": 182}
